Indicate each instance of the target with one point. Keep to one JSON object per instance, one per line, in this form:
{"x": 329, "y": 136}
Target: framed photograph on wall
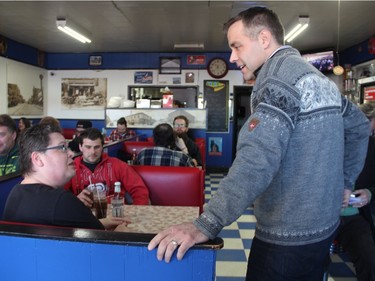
{"x": 170, "y": 65}
{"x": 95, "y": 60}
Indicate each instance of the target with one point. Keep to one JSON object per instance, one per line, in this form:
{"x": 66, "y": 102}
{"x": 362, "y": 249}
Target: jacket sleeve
{"x": 357, "y": 132}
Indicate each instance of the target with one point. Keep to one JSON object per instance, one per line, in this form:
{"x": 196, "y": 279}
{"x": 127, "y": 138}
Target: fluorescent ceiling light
{"x": 61, "y": 25}
{"x": 189, "y": 46}
{"x": 297, "y": 30}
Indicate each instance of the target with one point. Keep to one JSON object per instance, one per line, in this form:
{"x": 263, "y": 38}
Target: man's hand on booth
{"x": 179, "y": 237}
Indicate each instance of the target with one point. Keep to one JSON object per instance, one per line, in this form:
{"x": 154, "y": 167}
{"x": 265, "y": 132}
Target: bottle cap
{"x": 117, "y": 186}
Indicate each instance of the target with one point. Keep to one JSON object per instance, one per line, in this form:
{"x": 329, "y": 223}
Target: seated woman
{"x": 165, "y": 152}
{"x": 23, "y": 124}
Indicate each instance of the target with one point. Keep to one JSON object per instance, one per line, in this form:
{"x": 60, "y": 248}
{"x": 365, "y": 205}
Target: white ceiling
{"x": 155, "y": 26}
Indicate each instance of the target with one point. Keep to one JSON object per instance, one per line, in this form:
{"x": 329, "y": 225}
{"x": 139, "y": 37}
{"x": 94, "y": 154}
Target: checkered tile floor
{"x": 231, "y": 261}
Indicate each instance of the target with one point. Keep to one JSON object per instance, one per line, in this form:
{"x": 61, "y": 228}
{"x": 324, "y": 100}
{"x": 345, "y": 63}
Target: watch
{"x": 217, "y": 68}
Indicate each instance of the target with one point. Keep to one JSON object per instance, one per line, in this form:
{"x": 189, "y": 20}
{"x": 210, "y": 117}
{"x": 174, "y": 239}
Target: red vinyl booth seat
{"x": 138, "y": 145}
{"x": 174, "y": 186}
{"x": 68, "y": 133}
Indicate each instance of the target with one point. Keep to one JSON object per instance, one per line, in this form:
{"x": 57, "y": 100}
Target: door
{"x": 241, "y": 111}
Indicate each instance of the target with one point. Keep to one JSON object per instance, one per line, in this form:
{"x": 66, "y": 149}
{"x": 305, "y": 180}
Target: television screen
{"x": 324, "y": 61}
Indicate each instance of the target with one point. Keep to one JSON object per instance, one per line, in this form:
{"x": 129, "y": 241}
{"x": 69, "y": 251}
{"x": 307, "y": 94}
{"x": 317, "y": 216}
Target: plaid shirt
{"x": 115, "y": 135}
{"x": 161, "y": 156}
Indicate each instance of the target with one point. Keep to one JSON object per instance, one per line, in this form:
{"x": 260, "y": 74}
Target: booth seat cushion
{"x": 128, "y": 146}
{"x": 174, "y": 186}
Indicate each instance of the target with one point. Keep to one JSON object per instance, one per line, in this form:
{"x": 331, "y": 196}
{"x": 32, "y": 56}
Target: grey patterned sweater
{"x": 303, "y": 143}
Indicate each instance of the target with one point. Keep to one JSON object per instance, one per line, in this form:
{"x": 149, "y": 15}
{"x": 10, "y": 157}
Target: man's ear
{"x": 265, "y": 38}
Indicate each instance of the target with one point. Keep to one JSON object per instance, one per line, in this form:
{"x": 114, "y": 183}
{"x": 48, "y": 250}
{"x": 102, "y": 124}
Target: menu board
{"x": 216, "y": 93}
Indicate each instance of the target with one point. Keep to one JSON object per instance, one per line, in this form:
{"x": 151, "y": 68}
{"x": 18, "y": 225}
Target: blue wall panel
{"x": 35, "y": 259}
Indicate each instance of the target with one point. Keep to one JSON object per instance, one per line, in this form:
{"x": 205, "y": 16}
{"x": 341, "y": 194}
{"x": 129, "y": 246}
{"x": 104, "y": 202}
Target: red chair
{"x": 174, "y": 186}
{"x": 68, "y": 133}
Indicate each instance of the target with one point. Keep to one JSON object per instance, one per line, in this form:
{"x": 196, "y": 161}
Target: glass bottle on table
{"x": 134, "y": 157}
{"x": 117, "y": 202}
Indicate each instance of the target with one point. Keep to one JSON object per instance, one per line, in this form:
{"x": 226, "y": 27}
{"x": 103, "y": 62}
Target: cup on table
{"x": 91, "y": 188}
{"x": 99, "y": 196}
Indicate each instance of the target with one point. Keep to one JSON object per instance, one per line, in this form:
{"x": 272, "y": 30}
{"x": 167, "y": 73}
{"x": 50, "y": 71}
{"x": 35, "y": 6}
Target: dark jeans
{"x": 355, "y": 237}
{"x": 270, "y": 262}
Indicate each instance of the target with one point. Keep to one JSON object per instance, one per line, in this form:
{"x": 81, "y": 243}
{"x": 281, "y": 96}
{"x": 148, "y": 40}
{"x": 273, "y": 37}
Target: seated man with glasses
{"x": 184, "y": 141}
{"x": 46, "y": 165}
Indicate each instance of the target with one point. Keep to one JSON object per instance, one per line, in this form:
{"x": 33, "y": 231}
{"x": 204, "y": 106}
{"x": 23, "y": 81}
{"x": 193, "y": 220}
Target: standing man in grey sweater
{"x": 302, "y": 146}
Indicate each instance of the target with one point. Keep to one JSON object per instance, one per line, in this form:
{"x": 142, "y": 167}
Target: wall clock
{"x": 217, "y": 68}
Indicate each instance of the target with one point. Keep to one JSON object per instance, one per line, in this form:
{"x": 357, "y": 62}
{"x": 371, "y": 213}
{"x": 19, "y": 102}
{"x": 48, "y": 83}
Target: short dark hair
{"x": 84, "y": 124}
{"x": 164, "y": 136}
{"x": 35, "y": 138}
{"x": 257, "y": 18}
{"x": 91, "y": 134}
{"x": 49, "y": 120}
{"x": 122, "y": 121}
{"x": 182, "y": 117}
{"x": 7, "y": 121}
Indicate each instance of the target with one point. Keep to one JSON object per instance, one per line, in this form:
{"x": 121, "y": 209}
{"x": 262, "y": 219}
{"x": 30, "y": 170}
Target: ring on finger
{"x": 174, "y": 242}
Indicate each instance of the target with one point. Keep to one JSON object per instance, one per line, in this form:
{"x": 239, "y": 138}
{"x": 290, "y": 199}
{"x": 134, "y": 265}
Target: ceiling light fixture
{"x": 189, "y": 46}
{"x": 297, "y": 30}
{"x": 61, "y": 25}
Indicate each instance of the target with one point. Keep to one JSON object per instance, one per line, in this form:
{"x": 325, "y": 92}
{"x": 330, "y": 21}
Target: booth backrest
{"x": 201, "y": 143}
{"x": 128, "y": 146}
{"x": 174, "y": 186}
{"x": 6, "y": 185}
{"x": 68, "y": 133}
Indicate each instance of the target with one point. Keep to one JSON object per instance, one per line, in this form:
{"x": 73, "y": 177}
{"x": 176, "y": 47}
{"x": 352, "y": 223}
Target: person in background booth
{"x": 96, "y": 167}
{"x": 303, "y": 144}
{"x": 9, "y": 153}
{"x": 165, "y": 152}
{"x": 49, "y": 120}
{"x": 81, "y": 126}
{"x": 46, "y": 165}
{"x": 121, "y": 132}
{"x": 23, "y": 124}
{"x": 356, "y": 233}
{"x": 183, "y": 141}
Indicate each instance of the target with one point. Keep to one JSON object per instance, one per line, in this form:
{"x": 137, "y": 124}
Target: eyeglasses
{"x": 61, "y": 147}
{"x": 179, "y": 125}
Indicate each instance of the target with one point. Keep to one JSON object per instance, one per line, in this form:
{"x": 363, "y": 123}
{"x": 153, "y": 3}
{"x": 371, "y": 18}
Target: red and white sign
{"x": 369, "y": 93}
{"x": 196, "y": 59}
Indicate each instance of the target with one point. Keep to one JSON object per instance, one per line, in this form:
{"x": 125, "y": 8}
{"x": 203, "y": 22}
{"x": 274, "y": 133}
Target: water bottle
{"x": 134, "y": 157}
{"x": 117, "y": 202}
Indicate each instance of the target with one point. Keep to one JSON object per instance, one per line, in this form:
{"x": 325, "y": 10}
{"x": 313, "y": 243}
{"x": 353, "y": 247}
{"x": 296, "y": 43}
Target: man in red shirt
{"x": 97, "y": 168}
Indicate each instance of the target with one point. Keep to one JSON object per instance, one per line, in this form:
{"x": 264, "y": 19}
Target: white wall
{"x": 118, "y": 82}
{"x": 117, "y": 85}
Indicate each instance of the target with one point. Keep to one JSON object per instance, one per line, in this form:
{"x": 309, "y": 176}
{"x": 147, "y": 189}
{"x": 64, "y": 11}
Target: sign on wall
{"x": 216, "y": 93}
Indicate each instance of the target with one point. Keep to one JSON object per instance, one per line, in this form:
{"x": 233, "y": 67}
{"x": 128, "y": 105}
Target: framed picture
{"x": 170, "y": 65}
{"x": 95, "y": 60}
